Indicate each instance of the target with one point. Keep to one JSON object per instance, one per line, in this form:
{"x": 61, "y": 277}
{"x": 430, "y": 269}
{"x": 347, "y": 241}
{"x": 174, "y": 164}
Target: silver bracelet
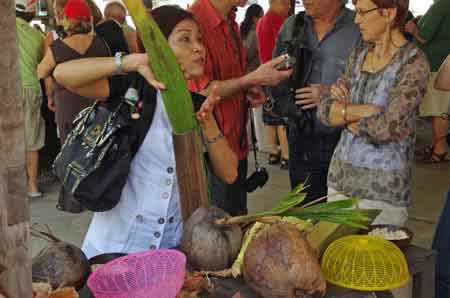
{"x": 214, "y": 140}
{"x": 118, "y": 60}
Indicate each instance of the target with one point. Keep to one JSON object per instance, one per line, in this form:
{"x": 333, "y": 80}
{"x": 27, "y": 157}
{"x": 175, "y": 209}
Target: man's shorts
{"x": 33, "y": 121}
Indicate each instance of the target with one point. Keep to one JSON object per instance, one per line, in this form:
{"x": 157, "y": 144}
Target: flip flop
{"x": 284, "y": 164}
{"x": 423, "y": 152}
{"x": 35, "y": 194}
{"x": 436, "y": 158}
{"x": 274, "y": 159}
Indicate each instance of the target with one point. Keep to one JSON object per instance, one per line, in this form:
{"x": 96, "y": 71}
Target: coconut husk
{"x": 59, "y": 264}
{"x": 279, "y": 263}
{"x": 208, "y": 246}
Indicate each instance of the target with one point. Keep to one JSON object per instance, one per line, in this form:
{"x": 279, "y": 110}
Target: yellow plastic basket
{"x": 365, "y": 263}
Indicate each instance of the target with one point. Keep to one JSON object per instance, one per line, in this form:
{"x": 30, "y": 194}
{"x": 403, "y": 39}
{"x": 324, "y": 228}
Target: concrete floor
{"x": 430, "y": 184}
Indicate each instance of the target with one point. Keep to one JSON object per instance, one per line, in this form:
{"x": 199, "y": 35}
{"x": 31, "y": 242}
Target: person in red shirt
{"x": 226, "y": 69}
{"x": 266, "y": 32}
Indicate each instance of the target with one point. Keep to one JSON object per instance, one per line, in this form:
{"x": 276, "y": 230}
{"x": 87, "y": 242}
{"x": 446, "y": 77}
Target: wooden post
{"x": 15, "y": 256}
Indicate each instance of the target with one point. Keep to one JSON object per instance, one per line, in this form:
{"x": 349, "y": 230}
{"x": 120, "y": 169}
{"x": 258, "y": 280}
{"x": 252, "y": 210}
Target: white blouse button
{"x": 165, "y": 195}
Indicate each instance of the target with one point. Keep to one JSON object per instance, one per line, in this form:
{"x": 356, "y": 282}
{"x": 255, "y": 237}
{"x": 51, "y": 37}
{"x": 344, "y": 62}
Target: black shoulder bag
{"x": 94, "y": 161}
{"x": 295, "y": 47}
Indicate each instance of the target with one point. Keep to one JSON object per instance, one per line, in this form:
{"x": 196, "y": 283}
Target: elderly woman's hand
{"x": 340, "y": 93}
{"x": 353, "y": 128}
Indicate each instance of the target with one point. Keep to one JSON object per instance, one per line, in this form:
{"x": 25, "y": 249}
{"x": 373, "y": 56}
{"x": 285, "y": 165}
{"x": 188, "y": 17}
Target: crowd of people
{"x": 335, "y": 95}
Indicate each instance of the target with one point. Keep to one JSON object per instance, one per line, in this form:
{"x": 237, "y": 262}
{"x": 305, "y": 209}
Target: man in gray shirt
{"x": 321, "y": 39}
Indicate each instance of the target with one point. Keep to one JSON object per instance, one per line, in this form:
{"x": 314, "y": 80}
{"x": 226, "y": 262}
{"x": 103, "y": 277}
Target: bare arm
{"x": 89, "y": 77}
{"x": 46, "y": 66}
{"x": 265, "y": 75}
{"x": 443, "y": 78}
{"x": 224, "y": 161}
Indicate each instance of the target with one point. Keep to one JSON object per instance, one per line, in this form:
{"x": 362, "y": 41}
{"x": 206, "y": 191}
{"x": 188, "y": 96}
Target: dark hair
{"x": 112, "y": 34}
{"x": 402, "y": 9}
{"x": 96, "y": 12}
{"x": 253, "y": 11}
{"x": 167, "y": 17}
{"x": 26, "y": 16}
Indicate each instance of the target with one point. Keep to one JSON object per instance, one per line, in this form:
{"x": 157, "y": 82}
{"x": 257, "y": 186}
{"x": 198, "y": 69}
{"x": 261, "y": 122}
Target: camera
{"x": 257, "y": 179}
{"x": 288, "y": 62}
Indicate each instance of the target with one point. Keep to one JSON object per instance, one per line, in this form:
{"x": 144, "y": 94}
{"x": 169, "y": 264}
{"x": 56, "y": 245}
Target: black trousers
{"x": 309, "y": 160}
{"x": 231, "y": 197}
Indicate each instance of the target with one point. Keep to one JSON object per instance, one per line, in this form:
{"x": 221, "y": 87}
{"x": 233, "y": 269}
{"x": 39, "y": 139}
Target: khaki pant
{"x": 435, "y": 102}
{"x": 33, "y": 121}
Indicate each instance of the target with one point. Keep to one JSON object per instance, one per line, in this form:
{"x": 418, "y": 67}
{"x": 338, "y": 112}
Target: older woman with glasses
{"x": 376, "y": 100}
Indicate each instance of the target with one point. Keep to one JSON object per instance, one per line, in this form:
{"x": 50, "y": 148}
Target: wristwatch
{"x": 118, "y": 59}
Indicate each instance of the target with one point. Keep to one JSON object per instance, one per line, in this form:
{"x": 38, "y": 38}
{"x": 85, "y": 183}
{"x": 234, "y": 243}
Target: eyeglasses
{"x": 363, "y": 13}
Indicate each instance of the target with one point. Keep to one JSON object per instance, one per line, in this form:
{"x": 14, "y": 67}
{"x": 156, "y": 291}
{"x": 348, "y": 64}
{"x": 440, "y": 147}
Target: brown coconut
{"x": 60, "y": 264}
{"x": 279, "y": 263}
{"x": 210, "y": 247}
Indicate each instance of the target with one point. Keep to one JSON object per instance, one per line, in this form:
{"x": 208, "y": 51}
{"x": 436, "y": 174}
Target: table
{"x": 422, "y": 267}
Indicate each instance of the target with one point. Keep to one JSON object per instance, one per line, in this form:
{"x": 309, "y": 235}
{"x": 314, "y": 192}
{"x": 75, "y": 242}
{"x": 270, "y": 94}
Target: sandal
{"x": 284, "y": 164}
{"x": 436, "y": 158}
{"x": 274, "y": 159}
{"x": 424, "y": 152}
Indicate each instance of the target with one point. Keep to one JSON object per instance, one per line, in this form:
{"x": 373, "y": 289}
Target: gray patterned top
{"x": 376, "y": 164}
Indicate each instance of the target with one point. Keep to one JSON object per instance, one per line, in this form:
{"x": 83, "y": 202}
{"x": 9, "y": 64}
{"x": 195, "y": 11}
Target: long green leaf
{"x": 329, "y": 206}
{"x": 294, "y": 198}
{"x": 177, "y": 99}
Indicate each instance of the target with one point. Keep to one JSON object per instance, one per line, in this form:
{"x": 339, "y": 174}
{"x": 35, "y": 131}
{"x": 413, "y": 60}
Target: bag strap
{"x": 296, "y": 37}
{"x": 253, "y": 138}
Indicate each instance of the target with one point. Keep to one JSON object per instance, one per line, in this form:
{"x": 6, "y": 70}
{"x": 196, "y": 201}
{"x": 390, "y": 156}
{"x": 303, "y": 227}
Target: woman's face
{"x": 373, "y": 22}
{"x": 187, "y": 43}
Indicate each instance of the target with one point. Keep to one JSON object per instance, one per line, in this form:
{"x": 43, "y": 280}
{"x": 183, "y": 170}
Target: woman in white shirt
{"x": 148, "y": 215}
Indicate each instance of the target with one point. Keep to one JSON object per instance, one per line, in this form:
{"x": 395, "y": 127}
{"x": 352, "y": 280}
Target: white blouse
{"x": 148, "y": 215}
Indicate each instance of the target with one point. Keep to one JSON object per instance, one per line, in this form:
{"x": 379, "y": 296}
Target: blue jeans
{"x": 441, "y": 244}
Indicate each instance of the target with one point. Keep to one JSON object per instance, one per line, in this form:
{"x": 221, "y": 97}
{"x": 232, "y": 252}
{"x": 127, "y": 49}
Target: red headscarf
{"x": 78, "y": 10}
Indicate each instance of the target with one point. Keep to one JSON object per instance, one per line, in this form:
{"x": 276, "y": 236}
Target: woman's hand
{"x": 140, "y": 64}
{"x": 340, "y": 93}
{"x": 205, "y": 115}
{"x": 353, "y": 128}
{"x": 267, "y": 74}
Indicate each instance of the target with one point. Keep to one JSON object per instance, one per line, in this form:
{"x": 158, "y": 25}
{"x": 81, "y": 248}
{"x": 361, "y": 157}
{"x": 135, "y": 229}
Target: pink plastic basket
{"x": 151, "y": 274}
